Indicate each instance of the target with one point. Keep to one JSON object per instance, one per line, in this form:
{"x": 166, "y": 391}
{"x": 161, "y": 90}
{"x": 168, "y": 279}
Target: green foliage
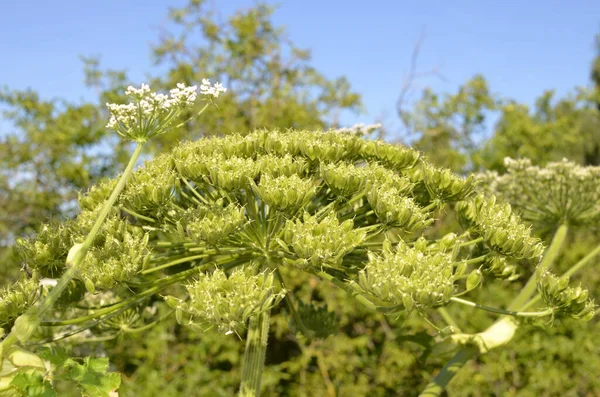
{"x": 25, "y": 374}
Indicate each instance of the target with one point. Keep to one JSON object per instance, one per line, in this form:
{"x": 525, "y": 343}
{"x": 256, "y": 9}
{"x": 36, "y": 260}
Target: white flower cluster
{"x": 561, "y": 191}
{"x": 151, "y": 114}
{"x": 360, "y": 128}
{"x": 212, "y": 90}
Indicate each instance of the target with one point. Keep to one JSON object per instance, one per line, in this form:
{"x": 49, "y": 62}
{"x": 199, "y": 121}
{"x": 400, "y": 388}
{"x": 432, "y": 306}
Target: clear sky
{"x": 521, "y": 46}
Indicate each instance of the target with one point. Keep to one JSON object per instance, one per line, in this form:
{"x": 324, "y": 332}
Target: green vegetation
{"x": 295, "y": 261}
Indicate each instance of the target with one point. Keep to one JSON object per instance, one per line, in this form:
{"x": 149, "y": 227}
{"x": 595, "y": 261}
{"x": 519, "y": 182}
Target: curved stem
{"x": 584, "y": 261}
{"x": 31, "y": 318}
{"x": 542, "y": 313}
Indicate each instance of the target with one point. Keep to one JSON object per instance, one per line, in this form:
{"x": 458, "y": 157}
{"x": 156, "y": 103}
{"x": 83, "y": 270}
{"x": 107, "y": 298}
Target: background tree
{"x": 59, "y": 148}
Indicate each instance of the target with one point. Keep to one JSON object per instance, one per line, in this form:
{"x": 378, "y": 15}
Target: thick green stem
{"x": 549, "y": 257}
{"x": 437, "y": 386}
{"x": 254, "y": 356}
{"x": 31, "y": 319}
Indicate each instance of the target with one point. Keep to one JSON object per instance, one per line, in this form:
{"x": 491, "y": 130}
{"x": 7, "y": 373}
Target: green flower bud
{"x": 151, "y": 189}
{"x": 343, "y": 179}
{"x": 226, "y": 302}
{"x": 119, "y": 253}
{"x": 213, "y": 224}
{"x": 565, "y": 300}
{"x": 396, "y": 210}
{"x": 409, "y": 278}
{"x": 497, "y": 266}
{"x": 378, "y": 176}
{"x": 395, "y": 156}
{"x": 282, "y": 166}
{"x": 16, "y": 298}
{"x": 285, "y": 193}
{"x": 324, "y": 242}
{"x": 443, "y": 184}
{"x": 500, "y": 228}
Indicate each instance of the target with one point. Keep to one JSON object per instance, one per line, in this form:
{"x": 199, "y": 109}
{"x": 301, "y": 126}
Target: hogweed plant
{"x": 147, "y": 115}
{"x": 215, "y": 229}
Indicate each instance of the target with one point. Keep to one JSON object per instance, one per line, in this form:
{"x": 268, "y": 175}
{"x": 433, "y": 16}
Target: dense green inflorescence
{"x": 355, "y": 212}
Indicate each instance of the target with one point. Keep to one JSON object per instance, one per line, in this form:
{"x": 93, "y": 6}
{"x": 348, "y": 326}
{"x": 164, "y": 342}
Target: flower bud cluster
{"x": 226, "y": 302}
{"x": 396, "y": 210}
{"x": 285, "y": 193}
{"x": 319, "y": 321}
{"x": 409, "y": 278}
{"x": 565, "y": 300}
{"x": 97, "y": 195}
{"x": 344, "y": 179}
{"x": 226, "y": 173}
{"x": 17, "y": 298}
{"x": 500, "y": 228}
{"x": 47, "y": 252}
{"x": 326, "y": 242}
{"x": 282, "y": 166}
{"x": 560, "y": 192}
{"x": 378, "y": 175}
{"x": 211, "y": 225}
{"x": 118, "y": 254}
{"x": 498, "y": 266}
{"x": 445, "y": 185}
{"x": 150, "y": 191}
{"x": 394, "y": 156}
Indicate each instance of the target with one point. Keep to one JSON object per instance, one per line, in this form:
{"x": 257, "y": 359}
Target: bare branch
{"x": 408, "y": 82}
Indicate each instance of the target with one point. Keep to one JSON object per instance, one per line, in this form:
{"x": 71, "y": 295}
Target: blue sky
{"x": 521, "y": 47}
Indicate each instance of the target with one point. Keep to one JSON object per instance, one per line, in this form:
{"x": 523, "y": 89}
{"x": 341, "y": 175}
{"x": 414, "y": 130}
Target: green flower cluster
{"x": 409, "y": 278}
{"x": 212, "y": 224}
{"x": 563, "y": 299}
{"x": 118, "y": 254}
{"x": 327, "y": 203}
{"x": 226, "y": 302}
{"x": 285, "y": 193}
{"x": 499, "y": 227}
{"x": 16, "y": 298}
{"x": 317, "y": 243}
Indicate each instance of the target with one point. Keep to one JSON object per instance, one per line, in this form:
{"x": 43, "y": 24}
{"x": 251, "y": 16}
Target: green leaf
{"x": 92, "y": 377}
{"x": 33, "y": 384}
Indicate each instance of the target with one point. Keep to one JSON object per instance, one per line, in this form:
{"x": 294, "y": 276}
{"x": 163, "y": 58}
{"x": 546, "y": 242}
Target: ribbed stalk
{"x": 254, "y": 356}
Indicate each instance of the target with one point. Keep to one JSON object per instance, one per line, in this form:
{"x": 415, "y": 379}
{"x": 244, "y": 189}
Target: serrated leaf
{"x": 57, "y": 356}
{"x": 33, "y": 384}
{"x": 93, "y": 379}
